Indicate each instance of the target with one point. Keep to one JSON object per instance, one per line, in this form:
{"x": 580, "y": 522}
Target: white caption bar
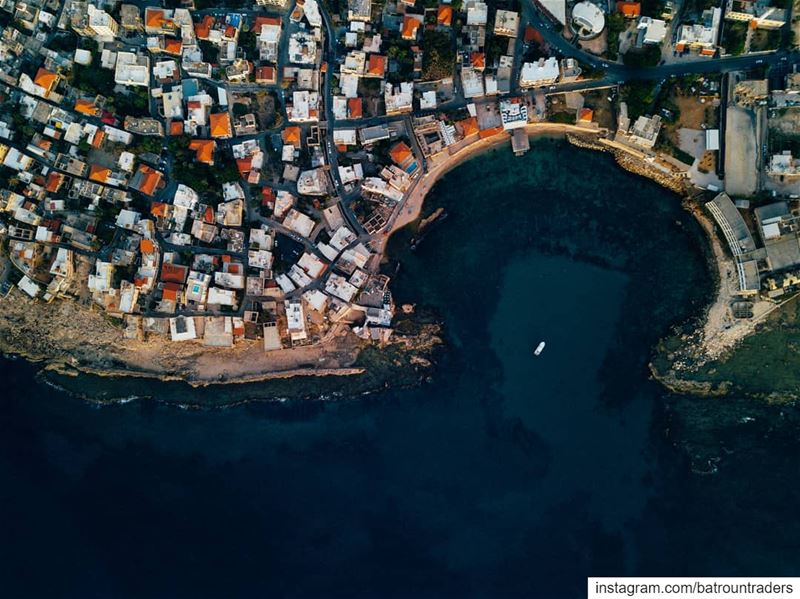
{"x": 693, "y": 588}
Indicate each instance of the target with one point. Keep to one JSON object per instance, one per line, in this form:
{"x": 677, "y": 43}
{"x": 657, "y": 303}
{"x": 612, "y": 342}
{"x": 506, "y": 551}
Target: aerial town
{"x": 222, "y": 174}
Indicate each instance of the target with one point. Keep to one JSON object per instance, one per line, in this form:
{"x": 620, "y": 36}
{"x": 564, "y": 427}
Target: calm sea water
{"x": 507, "y": 475}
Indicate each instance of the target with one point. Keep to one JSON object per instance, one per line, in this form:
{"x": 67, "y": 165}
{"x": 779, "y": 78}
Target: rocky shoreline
{"x": 81, "y": 340}
{"x": 70, "y": 340}
{"x": 630, "y": 162}
{"x": 701, "y": 343}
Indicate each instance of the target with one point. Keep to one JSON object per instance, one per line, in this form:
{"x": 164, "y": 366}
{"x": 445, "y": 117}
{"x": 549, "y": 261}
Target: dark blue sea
{"x": 504, "y": 475}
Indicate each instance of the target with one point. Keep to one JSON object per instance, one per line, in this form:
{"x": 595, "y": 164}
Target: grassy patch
{"x": 668, "y": 147}
{"x": 616, "y": 24}
{"x": 734, "y": 35}
{"x": 767, "y": 361}
{"x": 638, "y": 95}
{"x": 648, "y": 56}
{"x": 563, "y": 117}
{"x": 439, "y": 56}
{"x": 765, "y": 39}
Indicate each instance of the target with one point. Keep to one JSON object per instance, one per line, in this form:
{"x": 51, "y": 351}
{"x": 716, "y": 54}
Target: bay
{"x": 505, "y": 475}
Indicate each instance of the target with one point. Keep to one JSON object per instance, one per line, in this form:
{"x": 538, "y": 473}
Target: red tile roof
{"x": 173, "y": 273}
{"x": 376, "y": 65}
{"x": 261, "y": 21}
{"x": 354, "y": 108}
{"x": 265, "y": 74}
{"x": 54, "y": 181}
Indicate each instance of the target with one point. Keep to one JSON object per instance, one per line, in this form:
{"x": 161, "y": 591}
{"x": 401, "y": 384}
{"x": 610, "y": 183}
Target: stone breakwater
{"x": 631, "y": 162}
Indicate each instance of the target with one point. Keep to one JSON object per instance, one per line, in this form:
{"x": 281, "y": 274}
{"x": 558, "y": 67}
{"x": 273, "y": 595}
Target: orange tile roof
{"x": 354, "y": 108}
{"x": 489, "y": 132}
{"x": 291, "y": 135}
{"x": 586, "y": 115}
{"x": 169, "y": 294}
{"x": 409, "y": 29}
{"x": 99, "y": 173}
{"x": 154, "y": 16}
{"x": 230, "y": 31}
{"x": 158, "y": 209}
{"x": 204, "y": 149}
{"x": 176, "y": 128}
{"x": 376, "y": 65}
{"x": 150, "y": 180}
{"x": 45, "y": 79}
{"x": 86, "y": 107}
{"x": 711, "y": 51}
{"x": 478, "y": 60}
{"x": 98, "y": 138}
{"x": 203, "y": 29}
{"x": 147, "y": 246}
{"x": 445, "y": 15}
{"x": 400, "y": 153}
{"x": 220, "y": 124}
{"x": 173, "y": 46}
{"x": 629, "y": 9}
{"x": 469, "y": 126}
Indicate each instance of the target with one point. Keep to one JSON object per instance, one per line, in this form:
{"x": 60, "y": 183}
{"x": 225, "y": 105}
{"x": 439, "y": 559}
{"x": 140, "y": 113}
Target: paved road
{"x": 619, "y": 72}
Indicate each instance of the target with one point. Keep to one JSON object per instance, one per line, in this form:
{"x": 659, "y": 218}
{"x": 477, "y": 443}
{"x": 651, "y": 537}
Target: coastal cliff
{"x": 70, "y": 339}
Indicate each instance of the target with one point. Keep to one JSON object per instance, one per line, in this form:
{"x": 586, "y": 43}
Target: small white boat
{"x": 539, "y": 348}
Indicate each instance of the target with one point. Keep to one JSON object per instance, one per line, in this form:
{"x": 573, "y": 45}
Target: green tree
{"x": 439, "y": 58}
